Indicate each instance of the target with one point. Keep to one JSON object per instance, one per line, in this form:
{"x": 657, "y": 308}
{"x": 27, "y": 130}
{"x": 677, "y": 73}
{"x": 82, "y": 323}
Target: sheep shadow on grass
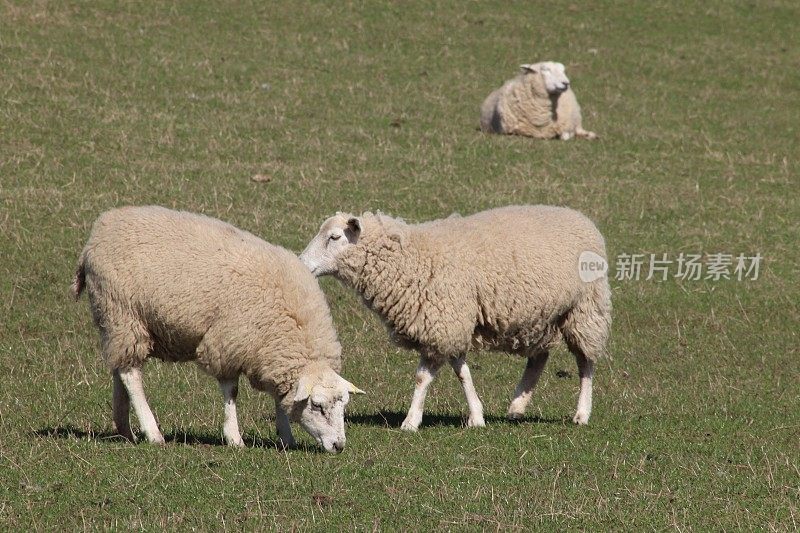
{"x": 69, "y": 431}
{"x": 393, "y": 419}
{"x": 176, "y": 437}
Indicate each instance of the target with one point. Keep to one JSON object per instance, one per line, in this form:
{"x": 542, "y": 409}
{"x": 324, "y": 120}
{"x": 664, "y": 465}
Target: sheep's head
{"x": 336, "y": 234}
{"x": 552, "y": 74}
{"x": 319, "y": 401}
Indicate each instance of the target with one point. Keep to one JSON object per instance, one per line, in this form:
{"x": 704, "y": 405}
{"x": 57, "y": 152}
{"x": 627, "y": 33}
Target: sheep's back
{"x": 184, "y": 275}
{"x": 522, "y": 264}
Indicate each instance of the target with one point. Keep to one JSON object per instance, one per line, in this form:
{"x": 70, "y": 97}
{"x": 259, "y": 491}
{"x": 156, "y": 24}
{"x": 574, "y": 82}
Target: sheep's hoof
{"x": 476, "y": 422}
{"x": 235, "y": 443}
{"x": 128, "y": 436}
{"x": 286, "y": 444}
{"x": 158, "y": 440}
{"x": 515, "y": 416}
{"x": 581, "y": 419}
{"x": 409, "y": 425}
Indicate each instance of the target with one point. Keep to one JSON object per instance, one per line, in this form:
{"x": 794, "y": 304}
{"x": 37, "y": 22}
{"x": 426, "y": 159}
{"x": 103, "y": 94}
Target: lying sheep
{"x": 183, "y": 287}
{"x": 505, "y": 279}
{"x": 538, "y": 103}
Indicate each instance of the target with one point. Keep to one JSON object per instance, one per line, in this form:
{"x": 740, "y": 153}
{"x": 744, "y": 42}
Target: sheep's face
{"x": 319, "y": 403}
{"x": 336, "y": 234}
{"x": 553, "y": 75}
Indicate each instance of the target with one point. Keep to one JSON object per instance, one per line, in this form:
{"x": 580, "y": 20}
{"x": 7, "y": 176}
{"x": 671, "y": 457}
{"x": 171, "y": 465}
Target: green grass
{"x": 366, "y": 105}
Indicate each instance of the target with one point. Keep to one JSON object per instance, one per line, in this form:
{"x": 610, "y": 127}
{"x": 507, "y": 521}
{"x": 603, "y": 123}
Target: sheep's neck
{"x": 279, "y": 377}
{"x": 391, "y": 278}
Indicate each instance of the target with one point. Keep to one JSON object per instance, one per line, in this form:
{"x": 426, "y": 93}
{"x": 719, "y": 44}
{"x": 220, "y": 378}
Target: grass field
{"x": 374, "y": 105}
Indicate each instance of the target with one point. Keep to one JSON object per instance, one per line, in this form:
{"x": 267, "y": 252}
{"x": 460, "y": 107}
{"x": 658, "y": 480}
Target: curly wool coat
{"x": 504, "y": 279}
{"x": 179, "y": 286}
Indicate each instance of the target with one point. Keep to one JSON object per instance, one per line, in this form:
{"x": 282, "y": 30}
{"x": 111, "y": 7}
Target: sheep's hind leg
{"x": 426, "y": 372}
{"x": 284, "y": 428}
{"x": 586, "y": 333}
{"x": 230, "y": 429}
{"x": 461, "y": 369}
{"x": 586, "y": 372}
{"x": 121, "y": 406}
{"x": 524, "y": 390}
{"x": 132, "y": 379}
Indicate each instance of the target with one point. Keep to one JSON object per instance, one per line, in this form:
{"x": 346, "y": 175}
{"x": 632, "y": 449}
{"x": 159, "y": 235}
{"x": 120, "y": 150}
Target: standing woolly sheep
{"x": 505, "y": 279}
{"x": 538, "y": 103}
{"x": 183, "y": 287}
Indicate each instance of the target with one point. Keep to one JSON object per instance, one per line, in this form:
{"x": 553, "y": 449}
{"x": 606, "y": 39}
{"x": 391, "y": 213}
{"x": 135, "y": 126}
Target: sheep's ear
{"x": 528, "y": 68}
{"x": 353, "y": 230}
{"x": 352, "y": 389}
{"x": 303, "y": 389}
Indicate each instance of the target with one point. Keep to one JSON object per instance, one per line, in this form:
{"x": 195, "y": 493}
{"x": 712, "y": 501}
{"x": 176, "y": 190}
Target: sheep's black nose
{"x": 338, "y": 446}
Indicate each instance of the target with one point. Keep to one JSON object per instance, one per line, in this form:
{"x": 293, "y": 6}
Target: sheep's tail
{"x": 79, "y": 282}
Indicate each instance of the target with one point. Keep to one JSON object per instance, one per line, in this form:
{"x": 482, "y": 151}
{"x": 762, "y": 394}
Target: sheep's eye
{"x": 335, "y": 237}
{"x": 317, "y": 406}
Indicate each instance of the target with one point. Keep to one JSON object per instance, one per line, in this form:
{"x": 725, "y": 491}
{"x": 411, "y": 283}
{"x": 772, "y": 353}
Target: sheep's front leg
{"x": 132, "y": 379}
{"x": 461, "y": 369}
{"x": 426, "y": 372}
{"x": 284, "y": 428}
{"x": 524, "y": 391}
{"x": 230, "y": 429}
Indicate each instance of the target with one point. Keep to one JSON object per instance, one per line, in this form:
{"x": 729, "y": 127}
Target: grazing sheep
{"x": 538, "y": 103}
{"x": 505, "y": 279}
{"x": 183, "y": 287}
